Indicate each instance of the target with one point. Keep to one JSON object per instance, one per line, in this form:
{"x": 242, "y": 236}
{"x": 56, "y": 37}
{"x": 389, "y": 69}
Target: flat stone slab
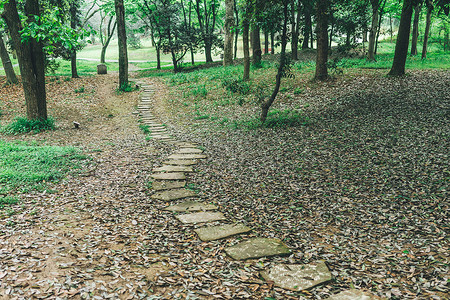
{"x": 187, "y": 156}
{"x": 354, "y": 295}
{"x": 201, "y": 217}
{"x": 179, "y": 162}
{"x": 167, "y": 185}
{"x": 169, "y": 176}
{"x": 212, "y": 233}
{"x": 174, "y": 194}
{"x": 189, "y": 151}
{"x": 173, "y": 169}
{"x": 186, "y": 145}
{"x": 189, "y": 206}
{"x": 298, "y": 277}
{"x": 256, "y": 248}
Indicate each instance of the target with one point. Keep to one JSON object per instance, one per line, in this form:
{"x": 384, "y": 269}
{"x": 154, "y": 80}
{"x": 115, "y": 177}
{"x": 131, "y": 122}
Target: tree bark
{"x": 31, "y": 59}
{"x": 229, "y": 22}
{"x": 11, "y": 77}
{"x": 73, "y": 64}
{"x": 307, "y": 28}
{"x": 401, "y": 46}
{"x": 107, "y": 39}
{"x": 373, "y": 30}
{"x": 158, "y": 57}
{"x": 122, "y": 39}
{"x": 245, "y": 44}
{"x": 267, "y": 104}
{"x": 272, "y": 43}
{"x": 322, "y": 40}
{"x": 427, "y": 28}
{"x": 266, "y": 42}
{"x": 74, "y": 22}
{"x": 256, "y": 45}
{"x": 295, "y": 20}
{"x": 415, "y": 31}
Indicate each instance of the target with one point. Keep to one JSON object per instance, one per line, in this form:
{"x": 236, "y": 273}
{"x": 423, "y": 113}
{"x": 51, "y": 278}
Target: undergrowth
{"x": 275, "y": 119}
{"x": 22, "y": 125}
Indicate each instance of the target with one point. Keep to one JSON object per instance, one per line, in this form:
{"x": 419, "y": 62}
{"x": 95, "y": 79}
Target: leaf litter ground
{"x": 363, "y": 187}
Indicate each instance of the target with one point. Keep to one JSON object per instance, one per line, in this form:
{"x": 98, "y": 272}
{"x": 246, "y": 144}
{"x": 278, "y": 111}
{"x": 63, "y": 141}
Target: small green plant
{"x": 275, "y": 119}
{"x": 80, "y": 90}
{"x": 200, "y": 91}
{"x": 127, "y": 87}
{"x": 22, "y": 125}
{"x": 145, "y": 128}
{"x": 298, "y": 91}
{"x": 150, "y": 185}
{"x": 236, "y": 86}
{"x": 7, "y": 200}
{"x": 66, "y": 79}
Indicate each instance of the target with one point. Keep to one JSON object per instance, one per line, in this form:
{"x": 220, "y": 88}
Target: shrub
{"x": 236, "y": 86}
{"x": 80, "y": 90}
{"x": 23, "y": 125}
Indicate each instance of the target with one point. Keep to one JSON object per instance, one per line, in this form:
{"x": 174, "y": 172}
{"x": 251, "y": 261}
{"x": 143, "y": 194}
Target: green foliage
{"x": 80, "y": 90}
{"x": 236, "y": 85}
{"x": 200, "y": 91}
{"x": 29, "y": 166}
{"x": 22, "y": 125}
{"x": 145, "y": 128}
{"x": 7, "y": 200}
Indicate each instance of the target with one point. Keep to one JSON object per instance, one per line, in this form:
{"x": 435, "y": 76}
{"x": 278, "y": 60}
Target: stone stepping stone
{"x": 189, "y": 151}
{"x": 170, "y": 195}
{"x": 201, "y": 217}
{"x": 354, "y": 295}
{"x": 167, "y": 185}
{"x": 173, "y": 169}
{"x": 298, "y": 277}
{"x": 189, "y": 206}
{"x": 169, "y": 176}
{"x": 157, "y": 136}
{"x": 186, "y": 145}
{"x": 187, "y": 156}
{"x": 256, "y": 248}
{"x": 178, "y": 162}
{"x": 213, "y": 233}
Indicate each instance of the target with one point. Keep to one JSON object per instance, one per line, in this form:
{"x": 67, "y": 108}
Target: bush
{"x": 23, "y": 125}
{"x": 236, "y": 86}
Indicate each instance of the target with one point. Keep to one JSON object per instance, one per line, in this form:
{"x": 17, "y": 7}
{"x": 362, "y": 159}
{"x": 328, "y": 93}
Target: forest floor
{"x": 363, "y": 187}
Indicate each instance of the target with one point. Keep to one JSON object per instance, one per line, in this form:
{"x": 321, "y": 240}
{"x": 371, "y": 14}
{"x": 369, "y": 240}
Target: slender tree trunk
{"x": 415, "y": 31}
{"x": 401, "y": 46}
{"x": 158, "y": 57}
{"x": 391, "y": 30}
{"x": 245, "y": 44}
{"x": 427, "y": 29}
{"x": 11, "y": 77}
{"x": 267, "y": 104}
{"x": 373, "y": 30}
{"x": 256, "y": 45}
{"x": 102, "y": 54}
{"x": 322, "y": 40}
{"x": 208, "y": 50}
{"x": 229, "y": 21}
{"x": 272, "y": 43}
{"x": 192, "y": 56}
{"x": 122, "y": 38}
{"x": 331, "y": 36}
{"x": 236, "y": 25}
{"x": 73, "y": 64}
{"x": 378, "y": 32}
{"x": 31, "y": 59}
{"x": 266, "y": 42}
{"x": 295, "y": 20}
{"x": 307, "y": 30}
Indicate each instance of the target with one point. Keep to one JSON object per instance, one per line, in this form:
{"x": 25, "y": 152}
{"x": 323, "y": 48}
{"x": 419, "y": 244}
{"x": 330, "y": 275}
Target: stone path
{"x": 169, "y": 185}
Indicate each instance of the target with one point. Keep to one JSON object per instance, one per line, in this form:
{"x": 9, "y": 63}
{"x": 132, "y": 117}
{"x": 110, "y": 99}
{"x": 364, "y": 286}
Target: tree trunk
{"x": 245, "y": 44}
{"x": 192, "y": 56}
{"x": 266, "y": 42}
{"x": 31, "y": 59}
{"x": 267, "y": 104}
{"x": 373, "y": 30}
{"x": 272, "y": 43}
{"x": 391, "y": 30}
{"x": 102, "y": 54}
{"x": 208, "y": 50}
{"x": 295, "y": 20}
{"x": 322, "y": 40}
{"x": 331, "y": 36}
{"x": 307, "y": 30}
{"x": 378, "y": 31}
{"x": 415, "y": 31}
{"x": 11, "y": 77}
{"x": 401, "y": 46}
{"x": 427, "y": 29}
{"x": 229, "y": 22}
{"x": 158, "y": 57}
{"x": 122, "y": 40}
{"x": 256, "y": 45}
{"x": 73, "y": 64}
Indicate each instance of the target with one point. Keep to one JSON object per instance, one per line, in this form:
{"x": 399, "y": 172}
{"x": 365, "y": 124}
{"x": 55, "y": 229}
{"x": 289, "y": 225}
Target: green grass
{"x": 25, "y": 166}
{"x": 22, "y": 125}
{"x": 7, "y": 200}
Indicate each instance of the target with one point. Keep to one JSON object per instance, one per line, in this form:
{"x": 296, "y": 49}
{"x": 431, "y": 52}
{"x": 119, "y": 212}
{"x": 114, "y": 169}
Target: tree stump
{"x": 101, "y": 69}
